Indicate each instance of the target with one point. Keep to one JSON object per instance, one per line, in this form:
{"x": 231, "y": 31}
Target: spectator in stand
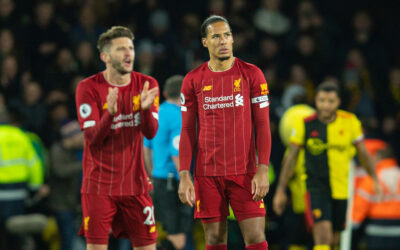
{"x": 270, "y": 19}
{"x": 7, "y": 44}
{"x": 9, "y": 77}
{"x": 43, "y": 37}
{"x": 60, "y": 74}
{"x": 299, "y": 76}
{"x": 358, "y": 86}
{"x": 66, "y": 167}
{"x": 87, "y": 28}
{"x": 88, "y": 63}
{"x": 32, "y": 109}
{"x": 308, "y": 56}
{"x": 372, "y": 48}
{"x": 8, "y": 16}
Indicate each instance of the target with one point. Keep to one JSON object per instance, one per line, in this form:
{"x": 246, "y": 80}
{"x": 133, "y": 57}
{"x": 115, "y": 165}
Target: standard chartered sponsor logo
{"x": 126, "y": 120}
{"x": 122, "y": 124}
{"x": 218, "y": 105}
{"x": 238, "y": 100}
{"x": 218, "y": 99}
{"x": 123, "y": 117}
{"x": 227, "y": 102}
{"x": 137, "y": 119}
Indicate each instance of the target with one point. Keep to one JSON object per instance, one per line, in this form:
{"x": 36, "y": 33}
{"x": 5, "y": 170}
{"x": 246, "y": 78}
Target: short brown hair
{"x": 112, "y": 33}
{"x": 173, "y": 86}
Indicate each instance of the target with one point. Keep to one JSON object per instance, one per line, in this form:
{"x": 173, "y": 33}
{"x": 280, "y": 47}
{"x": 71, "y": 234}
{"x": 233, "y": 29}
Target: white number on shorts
{"x": 150, "y": 215}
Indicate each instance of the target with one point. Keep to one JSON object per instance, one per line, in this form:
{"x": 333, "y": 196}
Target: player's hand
{"x": 112, "y": 100}
{"x": 378, "y": 190}
{"x": 279, "y": 201}
{"x": 147, "y": 96}
{"x": 186, "y": 189}
{"x": 260, "y": 183}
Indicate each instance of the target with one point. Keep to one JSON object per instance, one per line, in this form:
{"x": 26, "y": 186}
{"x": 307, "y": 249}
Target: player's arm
{"x": 149, "y": 102}
{"x": 288, "y": 166}
{"x": 368, "y": 164}
{"x": 260, "y": 114}
{"x": 187, "y": 142}
{"x": 280, "y": 198}
{"x": 363, "y": 155}
{"x": 296, "y": 141}
{"x": 148, "y": 156}
{"x": 365, "y": 159}
{"x": 96, "y": 129}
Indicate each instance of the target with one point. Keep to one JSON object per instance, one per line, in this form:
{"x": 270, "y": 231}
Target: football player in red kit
{"x": 225, "y": 120}
{"x": 116, "y": 107}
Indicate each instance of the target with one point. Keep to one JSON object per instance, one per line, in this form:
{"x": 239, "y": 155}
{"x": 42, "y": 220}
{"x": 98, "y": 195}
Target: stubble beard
{"x": 118, "y": 67}
{"x": 224, "y": 58}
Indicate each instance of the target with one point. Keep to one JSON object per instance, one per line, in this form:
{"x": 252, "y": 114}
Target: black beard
{"x": 224, "y": 58}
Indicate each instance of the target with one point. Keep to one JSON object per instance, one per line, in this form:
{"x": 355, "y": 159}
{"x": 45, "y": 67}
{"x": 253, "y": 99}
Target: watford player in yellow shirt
{"x": 327, "y": 137}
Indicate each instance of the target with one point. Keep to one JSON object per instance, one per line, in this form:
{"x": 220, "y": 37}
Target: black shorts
{"x": 324, "y": 207}
{"x": 174, "y": 216}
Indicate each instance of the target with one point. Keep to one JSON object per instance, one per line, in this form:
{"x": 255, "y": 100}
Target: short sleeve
{"x": 86, "y": 105}
{"x": 298, "y": 133}
{"x": 357, "y": 133}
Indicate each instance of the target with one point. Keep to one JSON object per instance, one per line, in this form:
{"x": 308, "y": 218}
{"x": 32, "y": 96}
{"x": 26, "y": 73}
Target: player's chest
{"x": 223, "y": 92}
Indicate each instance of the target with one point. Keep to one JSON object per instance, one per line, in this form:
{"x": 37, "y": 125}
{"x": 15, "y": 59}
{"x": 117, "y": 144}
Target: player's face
{"x": 121, "y": 55}
{"x": 219, "y": 41}
{"x": 327, "y": 102}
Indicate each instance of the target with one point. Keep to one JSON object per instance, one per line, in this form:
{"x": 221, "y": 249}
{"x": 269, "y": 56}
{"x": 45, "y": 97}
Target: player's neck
{"x": 327, "y": 120}
{"x": 217, "y": 65}
{"x": 174, "y": 101}
{"x": 115, "y": 78}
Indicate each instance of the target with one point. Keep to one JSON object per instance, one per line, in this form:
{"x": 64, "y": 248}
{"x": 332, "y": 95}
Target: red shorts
{"x": 215, "y": 193}
{"x": 127, "y": 216}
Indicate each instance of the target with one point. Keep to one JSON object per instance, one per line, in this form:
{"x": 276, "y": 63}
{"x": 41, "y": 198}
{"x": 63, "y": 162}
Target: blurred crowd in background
{"x": 48, "y": 47}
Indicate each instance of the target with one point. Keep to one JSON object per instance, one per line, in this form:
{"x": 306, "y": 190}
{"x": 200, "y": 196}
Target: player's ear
{"x": 204, "y": 42}
{"x": 104, "y": 57}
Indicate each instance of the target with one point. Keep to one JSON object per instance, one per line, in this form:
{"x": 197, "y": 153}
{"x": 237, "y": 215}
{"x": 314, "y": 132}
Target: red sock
{"x": 216, "y": 247}
{"x": 259, "y": 246}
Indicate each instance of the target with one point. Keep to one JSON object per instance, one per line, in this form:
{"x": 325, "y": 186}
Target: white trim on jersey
{"x": 88, "y": 124}
{"x": 155, "y": 115}
{"x": 358, "y": 139}
{"x": 264, "y": 104}
{"x": 258, "y": 99}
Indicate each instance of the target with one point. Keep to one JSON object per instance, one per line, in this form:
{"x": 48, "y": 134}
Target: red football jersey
{"x": 224, "y": 114}
{"x": 113, "y": 159}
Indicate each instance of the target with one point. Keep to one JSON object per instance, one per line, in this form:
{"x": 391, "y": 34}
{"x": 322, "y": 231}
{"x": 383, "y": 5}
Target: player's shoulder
{"x": 196, "y": 71}
{"x": 249, "y": 67}
{"x": 91, "y": 81}
{"x": 142, "y": 76}
{"x": 311, "y": 118}
{"x": 342, "y": 114}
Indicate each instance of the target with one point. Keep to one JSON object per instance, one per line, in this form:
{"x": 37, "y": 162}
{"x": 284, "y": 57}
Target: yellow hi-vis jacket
{"x": 20, "y": 166}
